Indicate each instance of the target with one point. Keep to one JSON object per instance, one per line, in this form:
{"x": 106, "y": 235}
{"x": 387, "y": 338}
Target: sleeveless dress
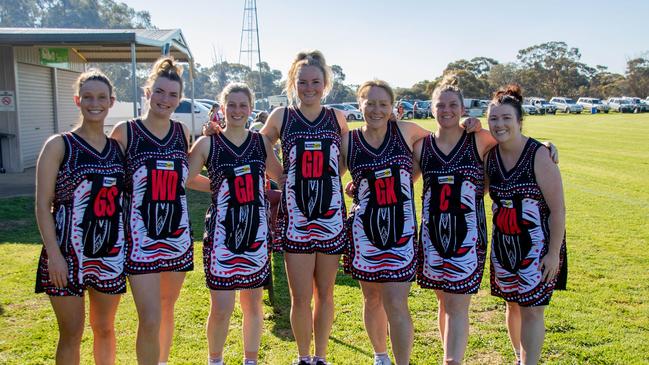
{"x": 521, "y": 231}
{"x": 87, "y": 211}
{"x": 382, "y": 223}
{"x": 237, "y": 239}
{"x": 158, "y": 231}
{"x": 312, "y": 211}
{"x": 453, "y": 226}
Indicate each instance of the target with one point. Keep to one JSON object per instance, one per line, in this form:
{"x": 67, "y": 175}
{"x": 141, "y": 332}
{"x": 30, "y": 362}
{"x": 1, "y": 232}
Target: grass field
{"x": 602, "y": 319}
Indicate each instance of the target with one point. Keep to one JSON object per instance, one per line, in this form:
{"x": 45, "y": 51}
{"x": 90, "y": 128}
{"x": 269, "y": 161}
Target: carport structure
{"x": 39, "y": 66}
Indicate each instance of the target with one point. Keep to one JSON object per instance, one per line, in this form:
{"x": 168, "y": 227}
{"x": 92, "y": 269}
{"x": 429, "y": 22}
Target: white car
{"x": 183, "y": 114}
{"x": 529, "y": 109}
{"x": 351, "y": 113}
{"x": 590, "y": 103}
{"x": 566, "y": 105}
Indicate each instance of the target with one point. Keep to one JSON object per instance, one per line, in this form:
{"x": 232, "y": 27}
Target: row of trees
{"x": 548, "y": 69}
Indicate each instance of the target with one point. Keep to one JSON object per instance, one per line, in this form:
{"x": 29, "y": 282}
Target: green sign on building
{"x": 55, "y": 57}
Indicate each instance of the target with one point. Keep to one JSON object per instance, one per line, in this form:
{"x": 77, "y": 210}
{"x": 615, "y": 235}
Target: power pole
{"x": 250, "y": 48}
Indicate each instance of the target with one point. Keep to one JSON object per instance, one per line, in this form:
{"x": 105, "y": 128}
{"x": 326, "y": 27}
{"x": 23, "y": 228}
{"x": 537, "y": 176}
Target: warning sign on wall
{"x": 7, "y": 101}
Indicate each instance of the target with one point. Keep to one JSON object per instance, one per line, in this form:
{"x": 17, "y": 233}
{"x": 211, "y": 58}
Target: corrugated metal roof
{"x": 103, "y": 45}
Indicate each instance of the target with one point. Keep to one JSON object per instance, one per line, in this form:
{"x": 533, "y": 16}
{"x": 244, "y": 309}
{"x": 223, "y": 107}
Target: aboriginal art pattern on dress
{"x": 237, "y": 239}
{"x": 159, "y": 236}
{"x": 311, "y": 216}
{"x": 521, "y": 234}
{"x": 382, "y": 224}
{"x": 87, "y": 212}
{"x": 453, "y": 227}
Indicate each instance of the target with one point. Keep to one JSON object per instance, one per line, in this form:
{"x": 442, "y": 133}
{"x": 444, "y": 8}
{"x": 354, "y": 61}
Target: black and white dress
{"x": 521, "y": 231}
{"x": 158, "y": 231}
{"x": 312, "y": 211}
{"x": 382, "y": 223}
{"x": 236, "y": 244}
{"x": 87, "y": 211}
{"x": 453, "y": 225}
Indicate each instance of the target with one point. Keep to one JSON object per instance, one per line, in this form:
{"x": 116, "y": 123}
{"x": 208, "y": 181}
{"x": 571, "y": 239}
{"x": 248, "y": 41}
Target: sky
{"x": 407, "y": 41}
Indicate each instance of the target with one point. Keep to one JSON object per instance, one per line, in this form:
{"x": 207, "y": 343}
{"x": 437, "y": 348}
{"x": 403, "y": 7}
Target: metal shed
{"x": 39, "y": 66}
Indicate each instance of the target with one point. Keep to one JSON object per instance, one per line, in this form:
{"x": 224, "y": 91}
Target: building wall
{"x": 9, "y": 119}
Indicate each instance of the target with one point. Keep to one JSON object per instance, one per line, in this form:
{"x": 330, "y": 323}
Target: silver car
{"x": 566, "y": 105}
{"x": 621, "y": 105}
{"x": 590, "y": 103}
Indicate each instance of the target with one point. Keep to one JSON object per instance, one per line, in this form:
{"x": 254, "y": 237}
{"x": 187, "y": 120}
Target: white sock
{"x": 214, "y": 361}
{"x": 383, "y": 357}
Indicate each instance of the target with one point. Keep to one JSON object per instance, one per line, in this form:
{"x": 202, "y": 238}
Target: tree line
{"x": 546, "y": 70}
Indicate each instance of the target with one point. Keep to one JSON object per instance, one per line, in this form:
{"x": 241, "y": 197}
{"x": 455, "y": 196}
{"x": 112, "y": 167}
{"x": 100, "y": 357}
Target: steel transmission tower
{"x": 249, "y": 45}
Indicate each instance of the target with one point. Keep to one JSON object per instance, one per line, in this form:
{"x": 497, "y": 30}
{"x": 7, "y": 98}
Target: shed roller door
{"x": 36, "y": 110}
{"x": 68, "y": 113}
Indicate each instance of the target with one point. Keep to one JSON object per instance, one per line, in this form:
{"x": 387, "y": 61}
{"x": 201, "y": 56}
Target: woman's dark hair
{"x": 510, "y": 95}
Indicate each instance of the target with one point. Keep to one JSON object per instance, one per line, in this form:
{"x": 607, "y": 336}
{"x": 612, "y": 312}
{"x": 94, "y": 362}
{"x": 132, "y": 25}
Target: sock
{"x": 304, "y": 358}
{"x": 162, "y": 363}
{"x": 215, "y": 361}
{"x": 249, "y": 362}
{"x": 383, "y": 357}
{"x": 318, "y": 358}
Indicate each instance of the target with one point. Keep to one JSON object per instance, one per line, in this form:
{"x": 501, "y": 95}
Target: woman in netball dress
{"x": 159, "y": 243}
{"x": 382, "y": 253}
{"x": 453, "y": 227}
{"x": 528, "y": 252}
{"x": 311, "y": 218}
{"x": 237, "y": 236}
{"x": 79, "y": 188}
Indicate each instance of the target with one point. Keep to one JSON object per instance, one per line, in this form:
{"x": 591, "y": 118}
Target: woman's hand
{"x": 211, "y": 128}
{"x": 554, "y": 152}
{"x": 549, "y": 266}
{"x": 350, "y": 188}
{"x": 57, "y": 269}
{"x": 471, "y": 125}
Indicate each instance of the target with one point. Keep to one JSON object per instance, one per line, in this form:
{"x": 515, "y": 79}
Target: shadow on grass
{"x": 351, "y": 347}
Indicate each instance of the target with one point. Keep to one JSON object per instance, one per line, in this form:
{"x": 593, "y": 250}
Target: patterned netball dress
{"x": 521, "y": 233}
{"x": 158, "y": 232}
{"x": 382, "y": 224}
{"x": 453, "y": 227}
{"x": 237, "y": 239}
{"x": 311, "y": 216}
{"x": 87, "y": 211}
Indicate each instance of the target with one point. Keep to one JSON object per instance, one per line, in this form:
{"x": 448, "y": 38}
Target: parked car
{"x": 350, "y": 112}
{"x": 590, "y": 103}
{"x": 639, "y": 106}
{"x": 423, "y": 109}
{"x": 183, "y": 113}
{"x": 353, "y": 104}
{"x": 620, "y": 105}
{"x": 543, "y": 106}
{"x": 529, "y": 109}
{"x": 566, "y": 105}
{"x": 473, "y": 108}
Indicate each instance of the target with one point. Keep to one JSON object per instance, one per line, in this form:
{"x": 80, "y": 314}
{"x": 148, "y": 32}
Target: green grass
{"x": 602, "y": 319}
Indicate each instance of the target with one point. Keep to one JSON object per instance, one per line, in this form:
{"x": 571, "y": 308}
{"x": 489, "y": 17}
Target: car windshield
{"x": 570, "y": 101}
{"x": 406, "y": 104}
{"x": 596, "y": 101}
{"x": 625, "y": 102}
